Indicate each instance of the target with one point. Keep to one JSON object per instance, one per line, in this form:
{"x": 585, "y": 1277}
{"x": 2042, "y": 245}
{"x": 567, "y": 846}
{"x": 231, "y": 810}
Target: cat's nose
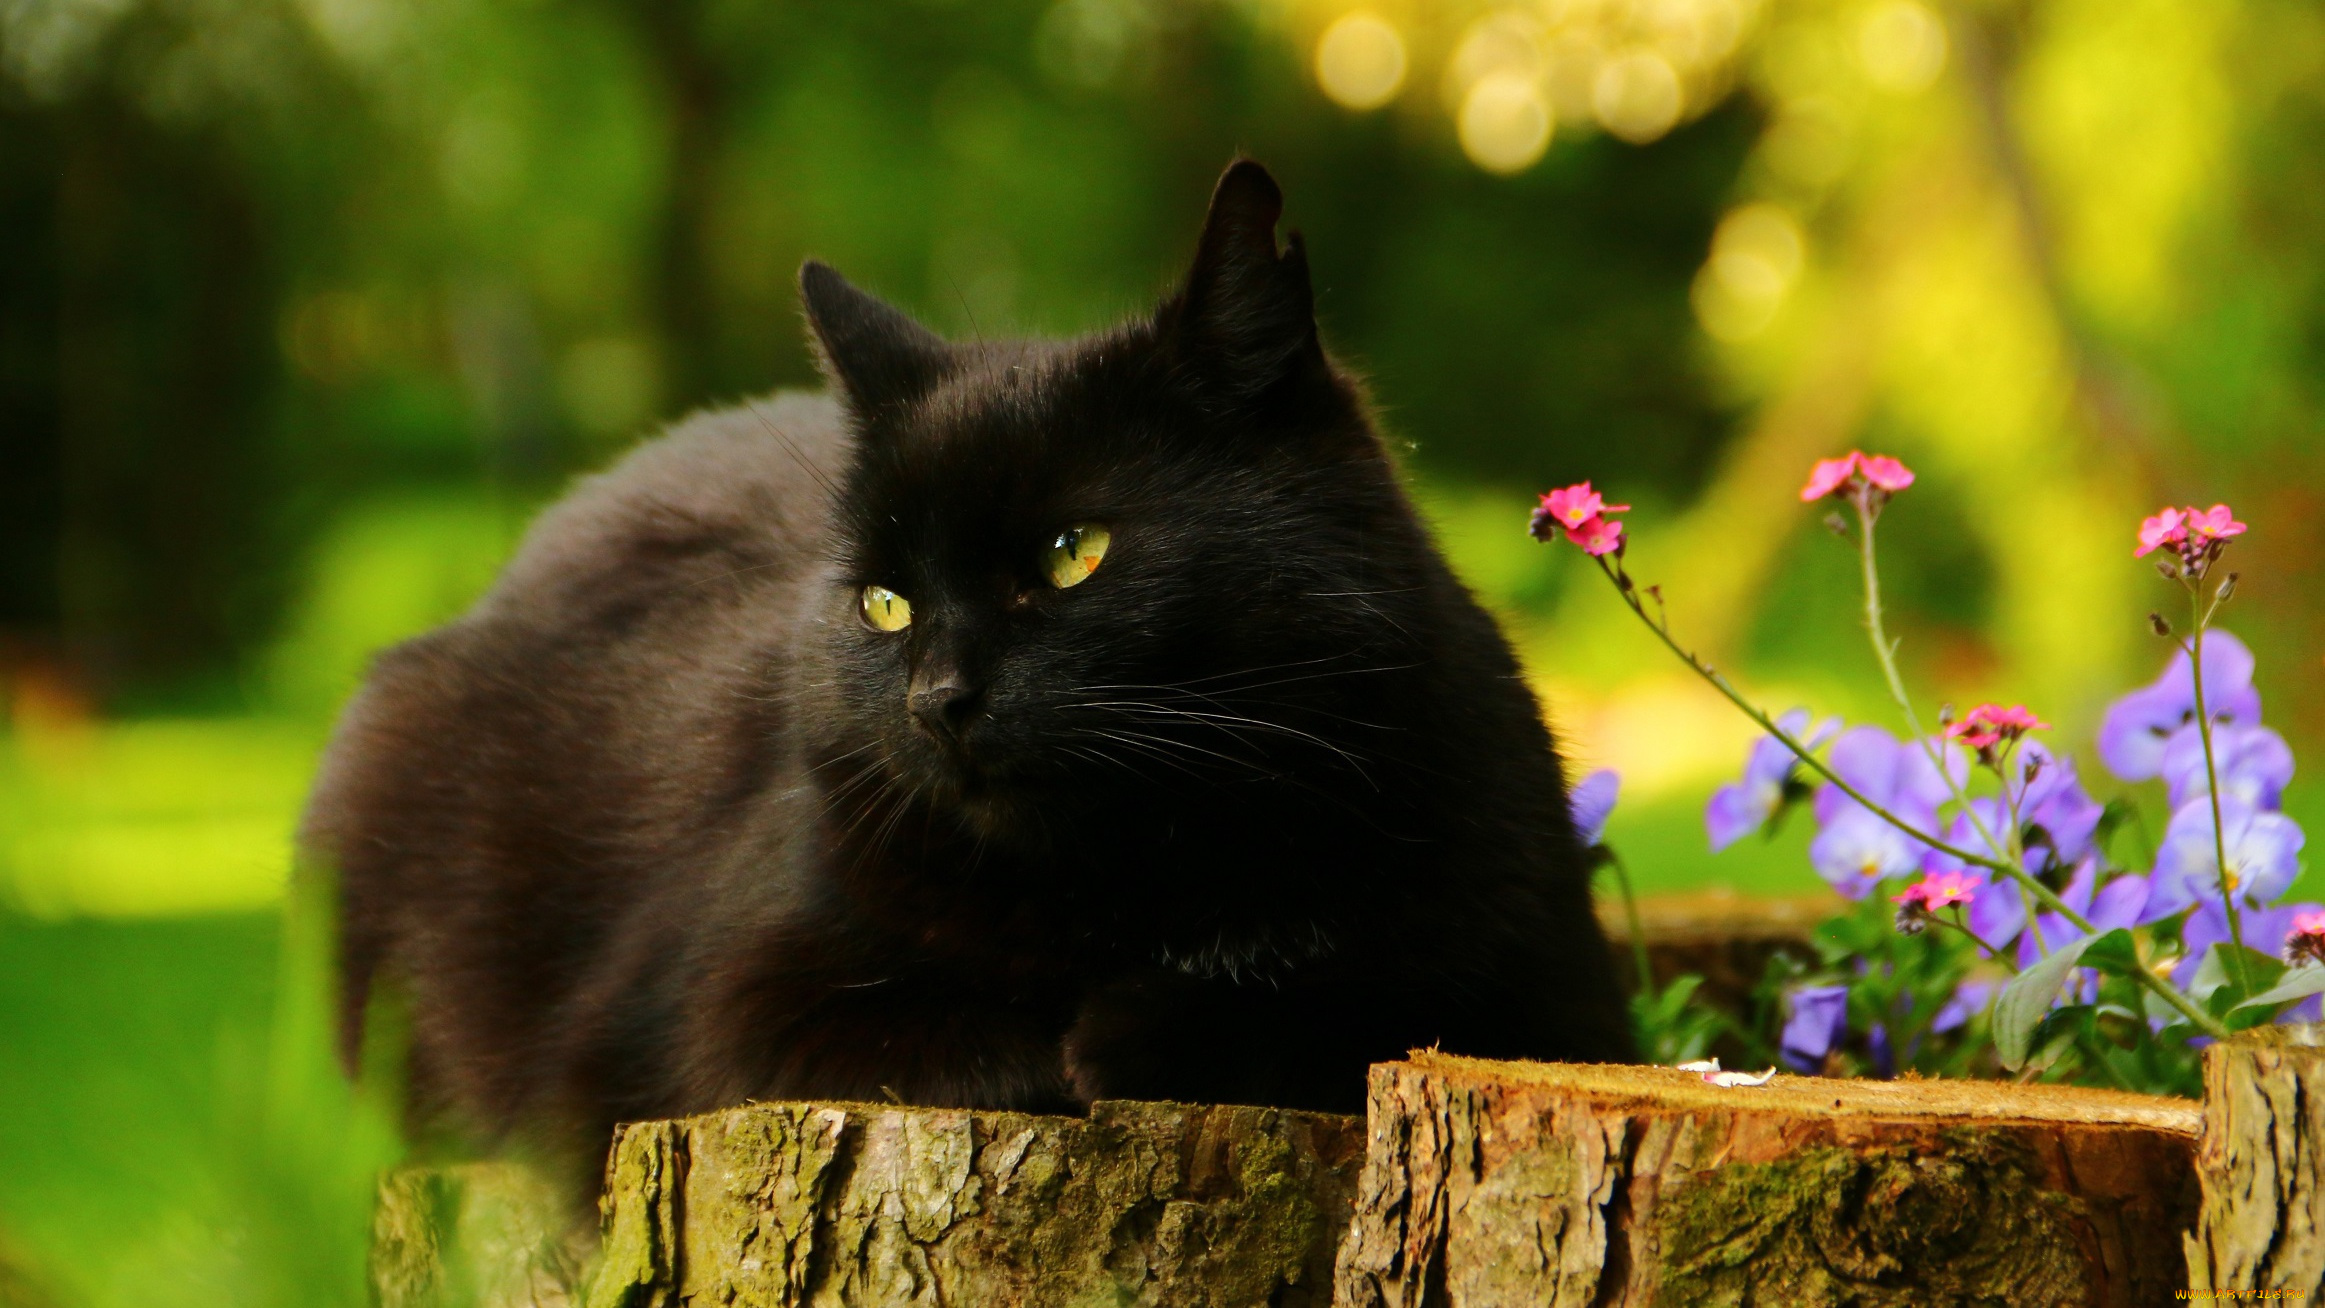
{"x": 947, "y": 708}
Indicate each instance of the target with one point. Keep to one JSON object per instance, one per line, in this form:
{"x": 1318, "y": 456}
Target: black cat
{"x": 1026, "y": 724}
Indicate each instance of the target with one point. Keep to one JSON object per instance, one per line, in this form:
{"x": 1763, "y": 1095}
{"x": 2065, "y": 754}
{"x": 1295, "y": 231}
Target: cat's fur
{"x": 656, "y": 827}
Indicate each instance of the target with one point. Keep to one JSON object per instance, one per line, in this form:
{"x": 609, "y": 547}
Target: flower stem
{"x": 2041, "y": 893}
{"x": 1638, "y": 930}
{"x": 2202, "y": 617}
{"x": 1885, "y": 653}
{"x": 1957, "y": 924}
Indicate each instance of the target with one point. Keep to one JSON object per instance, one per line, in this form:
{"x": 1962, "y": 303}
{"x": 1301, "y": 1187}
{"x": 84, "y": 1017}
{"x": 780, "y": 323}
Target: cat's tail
{"x": 332, "y": 868}
{"x": 357, "y": 942}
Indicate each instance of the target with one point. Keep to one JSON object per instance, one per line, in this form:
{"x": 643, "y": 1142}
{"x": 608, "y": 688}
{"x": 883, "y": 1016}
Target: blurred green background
{"x": 306, "y": 305}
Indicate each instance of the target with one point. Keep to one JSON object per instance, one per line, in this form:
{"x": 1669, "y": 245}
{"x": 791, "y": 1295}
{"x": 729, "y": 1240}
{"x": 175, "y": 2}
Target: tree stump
{"x": 475, "y": 1235}
{"x": 1719, "y": 935}
{"x": 2262, "y": 1166}
{"x": 1518, "y": 1183}
{"x": 852, "y": 1204}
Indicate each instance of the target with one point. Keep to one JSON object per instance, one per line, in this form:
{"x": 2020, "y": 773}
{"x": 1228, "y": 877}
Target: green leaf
{"x": 2299, "y": 983}
{"x": 2215, "y": 982}
{"x": 2023, "y": 1002}
{"x": 2057, "y": 1035}
{"x": 2118, "y": 816}
{"x": 2112, "y": 953}
{"x": 2158, "y": 1009}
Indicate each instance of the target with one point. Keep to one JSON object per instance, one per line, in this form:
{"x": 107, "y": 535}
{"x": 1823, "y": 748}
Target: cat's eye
{"x": 885, "y": 610}
{"x": 1075, "y": 554}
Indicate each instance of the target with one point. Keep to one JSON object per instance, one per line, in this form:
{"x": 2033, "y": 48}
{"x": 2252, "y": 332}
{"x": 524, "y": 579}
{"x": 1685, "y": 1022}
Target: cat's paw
{"x": 1128, "y": 1041}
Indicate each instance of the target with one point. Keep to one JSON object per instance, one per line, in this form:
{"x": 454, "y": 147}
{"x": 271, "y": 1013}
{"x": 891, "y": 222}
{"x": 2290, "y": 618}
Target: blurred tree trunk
{"x": 697, "y": 103}
{"x": 31, "y": 448}
{"x": 151, "y": 416}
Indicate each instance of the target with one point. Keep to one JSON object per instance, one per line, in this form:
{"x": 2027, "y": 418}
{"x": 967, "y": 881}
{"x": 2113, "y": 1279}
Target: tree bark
{"x": 1515, "y": 1183}
{"x": 2262, "y": 1165}
{"x": 845, "y": 1204}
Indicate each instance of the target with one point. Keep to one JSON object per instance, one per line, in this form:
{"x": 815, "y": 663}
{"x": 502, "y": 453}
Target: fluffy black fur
{"x": 662, "y": 825}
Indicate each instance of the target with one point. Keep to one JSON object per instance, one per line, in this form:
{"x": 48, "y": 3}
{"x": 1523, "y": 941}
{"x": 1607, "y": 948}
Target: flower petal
{"x": 1591, "y": 801}
{"x": 1827, "y": 476}
{"x": 1819, "y": 1015}
{"x": 2255, "y": 764}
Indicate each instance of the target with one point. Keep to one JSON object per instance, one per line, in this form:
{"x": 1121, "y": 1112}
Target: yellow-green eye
{"x": 886, "y": 610}
{"x": 1075, "y": 554}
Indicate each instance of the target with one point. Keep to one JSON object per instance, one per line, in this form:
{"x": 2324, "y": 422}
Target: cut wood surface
{"x": 1520, "y": 1183}
{"x": 2262, "y": 1165}
{"x": 853, "y": 1204}
{"x": 1699, "y": 916}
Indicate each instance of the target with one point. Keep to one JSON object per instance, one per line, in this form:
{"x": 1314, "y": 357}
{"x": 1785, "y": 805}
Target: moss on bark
{"x": 1592, "y": 1187}
{"x": 1967, "y": 1224}
{"x": 791, "y": 1205}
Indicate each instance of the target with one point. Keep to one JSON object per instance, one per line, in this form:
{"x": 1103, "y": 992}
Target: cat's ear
{"x": 1245, "y": 318}
{"x": 868, "y": 348}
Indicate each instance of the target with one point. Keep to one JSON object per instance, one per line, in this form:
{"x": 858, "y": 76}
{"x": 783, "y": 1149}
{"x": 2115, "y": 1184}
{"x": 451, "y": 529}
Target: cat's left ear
{"x": 1246, "y": 318}
{"x": 868, "y": 348}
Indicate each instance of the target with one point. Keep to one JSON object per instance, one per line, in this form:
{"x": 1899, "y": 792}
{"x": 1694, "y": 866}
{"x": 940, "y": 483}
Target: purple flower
{"x": 2265, "y": 930}
{"x": 1998, "y": 913}
{"x": 2263, "y": 856}
{"x": 1592, "y": 801}
{"x": 1970, "y": 999}
{"x": 2133, "y": 735}
{"x": 2053, "y": 810}
{"x": 1743, "y": 807}
{"x": 2254, "y": 764}
{"x": 2118, "y": 904}
{"x": 1895, "y": 774}
{"x": 1880, "y": 1052}
{"x": 1857, "y": 851}
{"x": 1819, "y": 1015}
{"x": 1978, "y": 819}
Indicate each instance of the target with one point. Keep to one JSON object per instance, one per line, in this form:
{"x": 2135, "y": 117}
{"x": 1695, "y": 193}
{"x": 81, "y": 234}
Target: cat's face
{"x": 1076, "y": 580}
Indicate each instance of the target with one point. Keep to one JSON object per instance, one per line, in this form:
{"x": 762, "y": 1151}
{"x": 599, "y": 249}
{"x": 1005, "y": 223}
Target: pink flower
{"x": 1573, "y": 506}
{"x": 1939, "y": 890}
{"x": 1989, "y": 725}
{"x": 1827, "y": 476}
{"x": 2196, "y": 535}
{"x": 1884, "y": 472}
{"x": 2215, "y": 523}
{"x": 1933, "y": 892}
{"x": 1577, "y": 512}
{"x": 2306, "y": 941}
{"x": 1598, "y": 536}
{"x": 2167, "y": 527}
{"x": 1852, "y": 470}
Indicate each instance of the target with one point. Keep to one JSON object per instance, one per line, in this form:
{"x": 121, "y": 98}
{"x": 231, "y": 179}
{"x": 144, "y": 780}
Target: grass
{"x": 174, "y": 1133}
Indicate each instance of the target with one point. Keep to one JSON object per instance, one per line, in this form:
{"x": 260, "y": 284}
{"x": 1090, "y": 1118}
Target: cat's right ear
{"x": 871, "y": 351}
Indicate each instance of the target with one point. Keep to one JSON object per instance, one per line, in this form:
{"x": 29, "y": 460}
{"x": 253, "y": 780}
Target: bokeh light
{"x": 1636, "y": 96}
{"x": 1902, "y": 44}
{"x": 1508, "y": 41}
{"x": 1360, "y": 60}
{"x": 1756, "y": 257}
{"x": 1505, "y": 122}
{"x": 1636, "y": 69}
